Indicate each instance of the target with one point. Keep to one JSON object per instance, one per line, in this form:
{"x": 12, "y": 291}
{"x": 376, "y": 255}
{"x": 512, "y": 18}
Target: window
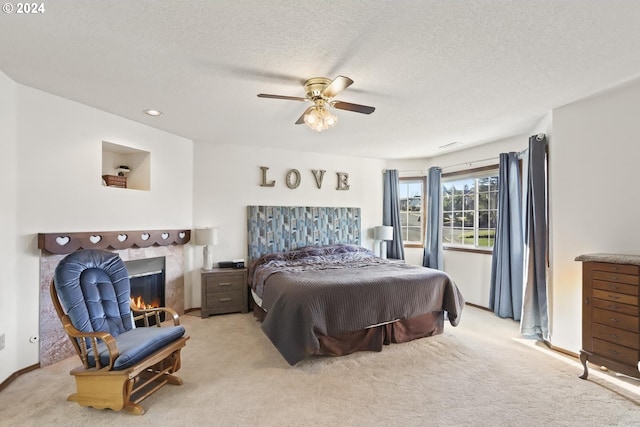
{"x": 411, "y": 194}
{"x": 470, "y": 208}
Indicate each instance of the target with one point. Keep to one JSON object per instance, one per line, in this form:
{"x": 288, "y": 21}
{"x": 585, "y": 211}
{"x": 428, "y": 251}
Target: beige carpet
{"x": 475, "y": 374}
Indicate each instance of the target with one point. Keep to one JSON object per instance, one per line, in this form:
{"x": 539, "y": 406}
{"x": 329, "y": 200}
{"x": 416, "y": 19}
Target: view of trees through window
{"x": 411, "y": 192}
{"x": 469, "y": 210}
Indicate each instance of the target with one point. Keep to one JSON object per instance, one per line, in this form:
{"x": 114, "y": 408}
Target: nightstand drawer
{"x": 224, "y": 290}
{"x": 224, "y": 299}
{"x": 224, "y": 283}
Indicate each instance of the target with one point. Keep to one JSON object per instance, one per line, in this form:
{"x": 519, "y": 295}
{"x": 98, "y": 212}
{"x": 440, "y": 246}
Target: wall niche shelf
{"x": 125, "y": 167}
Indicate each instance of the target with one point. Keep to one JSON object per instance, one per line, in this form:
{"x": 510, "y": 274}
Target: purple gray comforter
{"x": 342, "y": 288}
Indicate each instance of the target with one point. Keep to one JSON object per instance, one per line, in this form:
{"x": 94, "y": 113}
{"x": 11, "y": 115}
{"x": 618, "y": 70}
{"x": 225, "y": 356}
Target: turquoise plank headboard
{"x": 283, "y": 228}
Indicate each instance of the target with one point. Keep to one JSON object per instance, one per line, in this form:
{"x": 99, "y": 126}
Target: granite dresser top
{"x": 610, "y": 258}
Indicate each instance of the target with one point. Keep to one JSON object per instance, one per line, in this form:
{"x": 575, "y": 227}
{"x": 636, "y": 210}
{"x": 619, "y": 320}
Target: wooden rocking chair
{"x": 122, "y": 364}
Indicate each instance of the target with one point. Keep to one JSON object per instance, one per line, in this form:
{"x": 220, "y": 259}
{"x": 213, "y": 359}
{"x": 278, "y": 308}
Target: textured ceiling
{"x": 436, "y": 71}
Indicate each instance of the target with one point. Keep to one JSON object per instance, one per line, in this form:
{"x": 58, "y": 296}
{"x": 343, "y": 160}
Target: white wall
{"x": 227, "y": 180}
{"x": 8, "y": 225}
{"x": 594, "y": 201}
{"x": 58, "y": 151}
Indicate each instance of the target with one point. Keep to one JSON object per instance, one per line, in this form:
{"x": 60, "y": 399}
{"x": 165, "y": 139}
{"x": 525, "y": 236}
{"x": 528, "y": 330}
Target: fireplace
{"x": 147, "y": 280}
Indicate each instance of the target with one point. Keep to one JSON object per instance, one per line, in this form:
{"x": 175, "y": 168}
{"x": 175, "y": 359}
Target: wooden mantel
{"x": 65, "y": 243}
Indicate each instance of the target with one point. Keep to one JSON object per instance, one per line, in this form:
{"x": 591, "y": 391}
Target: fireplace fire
{"x": 139, "y": 302}
{"x": 147, "y": 279}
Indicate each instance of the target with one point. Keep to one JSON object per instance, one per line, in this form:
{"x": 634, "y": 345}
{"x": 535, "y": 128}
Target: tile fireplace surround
{"x": 54, "y": 342}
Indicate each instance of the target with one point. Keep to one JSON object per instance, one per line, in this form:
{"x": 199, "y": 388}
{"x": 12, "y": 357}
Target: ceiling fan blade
{"x": 353, "y": 107}
{"x": 301, "y": 118}
{"x": 291, "y": 98}
{"x": 338, "y": 84}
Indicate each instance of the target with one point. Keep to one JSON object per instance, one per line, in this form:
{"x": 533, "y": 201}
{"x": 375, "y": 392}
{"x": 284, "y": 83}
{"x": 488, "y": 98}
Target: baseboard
{"x": 189, "y": 310}
{"x": 16, "y": 374}
{"x": 478, "y": 306}
{"x": 561, "y": 350}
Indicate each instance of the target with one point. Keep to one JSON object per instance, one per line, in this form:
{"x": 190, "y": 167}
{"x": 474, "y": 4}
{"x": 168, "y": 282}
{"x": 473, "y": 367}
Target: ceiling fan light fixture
{"x": 321, "y": 91}
{"x": 319, "y": 119}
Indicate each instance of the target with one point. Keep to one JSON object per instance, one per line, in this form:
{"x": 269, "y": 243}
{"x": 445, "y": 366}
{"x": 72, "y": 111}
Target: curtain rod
{"x": 468, "y": 163}
{"x": 519, "y": 153}
{"x": 539, "y": 137}
{"x": 406, "y": 170}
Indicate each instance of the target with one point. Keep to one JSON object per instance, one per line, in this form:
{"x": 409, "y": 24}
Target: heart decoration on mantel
{"x": 63, "y": 240}
{"x": 65, "y": 243}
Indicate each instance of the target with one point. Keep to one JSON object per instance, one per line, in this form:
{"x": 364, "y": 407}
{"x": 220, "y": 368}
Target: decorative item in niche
{"x": 293, "y": 178}
{"x": 122, "y": 169}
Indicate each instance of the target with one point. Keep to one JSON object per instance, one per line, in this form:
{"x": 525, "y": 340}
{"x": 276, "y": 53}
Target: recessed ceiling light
{"x": 154, "y": 113}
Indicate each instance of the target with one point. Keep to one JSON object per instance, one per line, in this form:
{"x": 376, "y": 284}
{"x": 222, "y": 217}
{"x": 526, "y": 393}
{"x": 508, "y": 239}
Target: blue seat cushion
{"x": 135, "y": 345}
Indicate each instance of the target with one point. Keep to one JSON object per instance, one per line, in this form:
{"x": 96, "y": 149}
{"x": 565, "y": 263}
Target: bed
{"x": 327, "y": 295}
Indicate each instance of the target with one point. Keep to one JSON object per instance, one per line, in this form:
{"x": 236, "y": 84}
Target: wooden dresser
{"x": 224, "y": 290}
{"x": 610, "y": 313}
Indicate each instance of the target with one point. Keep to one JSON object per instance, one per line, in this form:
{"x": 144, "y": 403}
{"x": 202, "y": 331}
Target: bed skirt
{"x": 373, "y": 338}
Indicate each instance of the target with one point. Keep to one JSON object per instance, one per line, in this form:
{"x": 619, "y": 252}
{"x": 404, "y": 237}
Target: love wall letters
{"x": 292, "y": 178}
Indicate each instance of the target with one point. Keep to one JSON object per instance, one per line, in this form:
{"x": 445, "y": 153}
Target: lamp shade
{"x": 383, "y": 232}
{"x": 206, "y": 236}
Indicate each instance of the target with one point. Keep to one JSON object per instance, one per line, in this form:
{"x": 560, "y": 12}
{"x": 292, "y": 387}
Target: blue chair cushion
{"x": 136, "y": 344}
{"x": 94, "y": 289}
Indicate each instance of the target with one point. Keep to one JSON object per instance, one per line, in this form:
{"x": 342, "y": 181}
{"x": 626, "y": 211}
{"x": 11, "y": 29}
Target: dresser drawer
{"x": 615, "y": 268}
{"x": 622, "y": 288}
{"x": 616, "y": 352}
{"x": 615, "y": 297}
{"x": 631, "y": 310}
{"x": 224, "y": 299}
{"x": 615, "y": 277}
{"x": 616, "y": 336}
{"x": 615, "y": 320}
{"x": 224, "y": 283}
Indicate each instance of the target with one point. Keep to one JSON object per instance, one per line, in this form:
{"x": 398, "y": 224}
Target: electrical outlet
{"x": 1, "y": 341}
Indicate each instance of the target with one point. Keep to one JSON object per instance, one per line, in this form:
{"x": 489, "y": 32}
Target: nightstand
{"x": 224, "y": 290}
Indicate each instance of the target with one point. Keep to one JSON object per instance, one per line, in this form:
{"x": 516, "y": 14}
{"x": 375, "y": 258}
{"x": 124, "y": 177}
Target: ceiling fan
{"x": 321, "y": 91}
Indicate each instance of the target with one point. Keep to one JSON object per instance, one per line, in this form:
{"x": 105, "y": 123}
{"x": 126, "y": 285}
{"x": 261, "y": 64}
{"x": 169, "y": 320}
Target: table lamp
{"x": 207, "y": 237}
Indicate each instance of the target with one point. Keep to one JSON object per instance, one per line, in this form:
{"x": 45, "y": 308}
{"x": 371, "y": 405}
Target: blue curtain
{"x": 508, "y": 250}
{"x": 433, "y": 256}
{"x": 391, "y": 213}
{"x": 535, "y": 315}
